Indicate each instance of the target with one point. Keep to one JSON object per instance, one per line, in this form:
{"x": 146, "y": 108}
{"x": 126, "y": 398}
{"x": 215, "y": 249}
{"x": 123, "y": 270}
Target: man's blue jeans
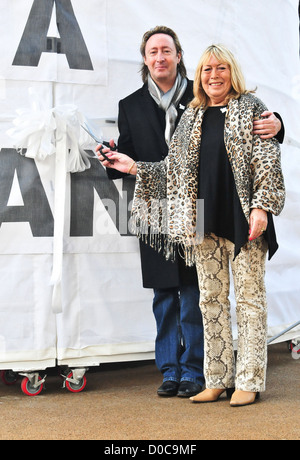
{"x": 179, "y": 341}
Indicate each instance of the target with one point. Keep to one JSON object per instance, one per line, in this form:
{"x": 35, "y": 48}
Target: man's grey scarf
{"x": 168, "y": 102}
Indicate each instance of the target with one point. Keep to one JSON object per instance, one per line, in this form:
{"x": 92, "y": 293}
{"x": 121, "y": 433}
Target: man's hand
{"x": 268, "y": 126}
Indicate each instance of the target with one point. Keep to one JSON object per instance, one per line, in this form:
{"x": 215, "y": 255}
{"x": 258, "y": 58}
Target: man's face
{"x": 162, "y": 59}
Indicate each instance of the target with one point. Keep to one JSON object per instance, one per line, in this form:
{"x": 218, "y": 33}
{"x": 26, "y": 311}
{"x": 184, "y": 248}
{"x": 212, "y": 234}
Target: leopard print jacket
{"x": 165, "y": 211}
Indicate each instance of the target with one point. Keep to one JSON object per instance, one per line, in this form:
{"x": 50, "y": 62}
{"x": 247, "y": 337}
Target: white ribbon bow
{"x": 43, "y": 132}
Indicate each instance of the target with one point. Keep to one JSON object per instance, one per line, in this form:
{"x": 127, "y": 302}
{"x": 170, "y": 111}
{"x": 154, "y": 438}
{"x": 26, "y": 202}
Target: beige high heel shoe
{"x": 211, "y": 395}
{"x": 243, "y": 398}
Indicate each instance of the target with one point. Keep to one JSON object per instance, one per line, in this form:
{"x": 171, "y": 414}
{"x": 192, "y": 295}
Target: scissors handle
{"x": 111, "y": 148}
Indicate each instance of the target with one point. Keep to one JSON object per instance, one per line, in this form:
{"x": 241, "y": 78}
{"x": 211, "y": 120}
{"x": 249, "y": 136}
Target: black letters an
{"x": 36, "y": 209}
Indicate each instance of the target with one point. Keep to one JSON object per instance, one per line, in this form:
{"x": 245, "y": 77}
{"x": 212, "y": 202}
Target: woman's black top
{"x": 223, "y": 214}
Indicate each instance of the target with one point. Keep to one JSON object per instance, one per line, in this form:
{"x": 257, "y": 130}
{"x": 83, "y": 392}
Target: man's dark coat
{"x": 141, "y": 126}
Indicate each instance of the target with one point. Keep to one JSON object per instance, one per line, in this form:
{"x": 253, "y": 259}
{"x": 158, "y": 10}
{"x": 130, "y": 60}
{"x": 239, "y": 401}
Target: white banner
{"x": 54, "y": 40}
{"x": 106, "y": 314}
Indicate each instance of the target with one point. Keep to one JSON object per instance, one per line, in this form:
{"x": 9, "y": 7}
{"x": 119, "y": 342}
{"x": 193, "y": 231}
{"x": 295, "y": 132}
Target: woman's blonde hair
{"x": 238, "y": 85}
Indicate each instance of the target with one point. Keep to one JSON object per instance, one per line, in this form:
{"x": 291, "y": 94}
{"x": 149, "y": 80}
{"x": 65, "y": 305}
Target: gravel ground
{"x": 120, "y": 403}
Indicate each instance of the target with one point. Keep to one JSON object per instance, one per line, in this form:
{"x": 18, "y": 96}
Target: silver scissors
{"x": 99, "y": 141}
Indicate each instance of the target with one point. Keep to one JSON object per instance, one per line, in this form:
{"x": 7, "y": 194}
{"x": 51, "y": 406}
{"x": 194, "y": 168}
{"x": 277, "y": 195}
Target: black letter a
{"x": 35, "y": 41}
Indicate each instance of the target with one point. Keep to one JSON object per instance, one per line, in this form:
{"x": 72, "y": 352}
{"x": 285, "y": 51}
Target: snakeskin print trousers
{"x": 248, "y": 269}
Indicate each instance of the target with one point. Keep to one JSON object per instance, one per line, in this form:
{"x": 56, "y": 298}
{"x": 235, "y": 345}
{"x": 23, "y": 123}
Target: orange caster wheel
{"x": 32, "y": 385}
{"x": 75, "y": 385}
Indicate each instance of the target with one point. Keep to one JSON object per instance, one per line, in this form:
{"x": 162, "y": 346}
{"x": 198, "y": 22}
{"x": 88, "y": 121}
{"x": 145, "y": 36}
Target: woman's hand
{"x": 117, "y": 160}
{"x": 258, "y": 223}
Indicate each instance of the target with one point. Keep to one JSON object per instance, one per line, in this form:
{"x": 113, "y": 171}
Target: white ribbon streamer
{"x": 38, "y": 133}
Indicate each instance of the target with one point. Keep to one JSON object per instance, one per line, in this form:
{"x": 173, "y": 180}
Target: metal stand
{"x": 283, "y": 332}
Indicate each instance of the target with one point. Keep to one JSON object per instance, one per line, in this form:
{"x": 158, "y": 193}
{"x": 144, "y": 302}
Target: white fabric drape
{"x": 106, "y": 314}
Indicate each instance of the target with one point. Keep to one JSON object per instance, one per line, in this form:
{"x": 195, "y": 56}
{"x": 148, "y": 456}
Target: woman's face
{"x": 216, "y": 81}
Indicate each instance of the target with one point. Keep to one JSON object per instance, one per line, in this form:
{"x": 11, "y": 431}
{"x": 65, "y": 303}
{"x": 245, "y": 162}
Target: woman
{"x": 214, "y": 156}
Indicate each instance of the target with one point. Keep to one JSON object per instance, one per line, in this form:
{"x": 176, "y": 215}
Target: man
{"x": 147, "y": 120}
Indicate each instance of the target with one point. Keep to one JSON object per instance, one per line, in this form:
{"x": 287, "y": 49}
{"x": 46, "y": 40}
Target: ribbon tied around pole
{"x": 39, "y": 133}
